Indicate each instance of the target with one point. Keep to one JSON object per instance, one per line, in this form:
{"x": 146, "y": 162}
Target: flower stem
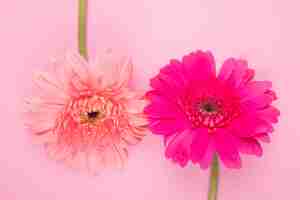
{"x": 82, "y": 28}
{"x": 214, "y": 179}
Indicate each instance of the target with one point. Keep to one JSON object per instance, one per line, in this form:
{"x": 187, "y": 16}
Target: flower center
{"x": 209, "y": 107}
{"x": 211, "y": 112}
{"x": 91, "y": 116}
{"x": 88, "y": 110}
{"x": 87, "y": 118}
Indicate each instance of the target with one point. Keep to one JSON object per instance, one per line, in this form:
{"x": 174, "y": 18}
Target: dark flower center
{"x": 93, "y": 115}
{"x": 209, "y": 107}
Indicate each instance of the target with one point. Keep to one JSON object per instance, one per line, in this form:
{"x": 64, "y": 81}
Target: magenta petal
{"x": 167, "y": 127}
{"x": 257, "y": 103}
{"x": 227, "y": 149}
{"x": 226, "y": 69}
{"x": 272, "y": 94}
{"x": 161, "y": 108}
{"x": 162, "y": 87}
{"x": 199, "y": 145}
{"x": 238, "y": 73}
{"x": 270, "y": 114}
{"x": 250, "y": 146}
{"x": 174, "y": 73}
{"x": 164, "y": 116}
{"x": 179, "y": 147}
{"x": 162, "y": 111}
{"x": 264, "y": 137}
{"x": 170, "y": 81}
{"x": 254, "y": 89}
{"x": 248, "y": 76}
{"x": 234, "y": 71}
{"x": 249, "y": 126}
{"x": 199, "y": 65}
{"x": 178, "y": 140}
{"x": 206, "y": 160}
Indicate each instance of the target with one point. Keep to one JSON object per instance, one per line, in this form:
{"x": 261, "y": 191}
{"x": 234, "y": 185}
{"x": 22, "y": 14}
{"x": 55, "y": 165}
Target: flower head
{"x": 201, "y": 114}
{"x": 84, "y": 113}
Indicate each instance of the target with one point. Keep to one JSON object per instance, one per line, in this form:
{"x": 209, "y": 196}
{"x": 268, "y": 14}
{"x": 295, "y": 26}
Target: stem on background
{"x": 82, "y": 28}
{"x": 214, "y": 179}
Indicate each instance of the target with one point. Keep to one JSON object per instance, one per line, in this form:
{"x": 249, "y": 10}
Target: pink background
{"x": 266, "y": 32}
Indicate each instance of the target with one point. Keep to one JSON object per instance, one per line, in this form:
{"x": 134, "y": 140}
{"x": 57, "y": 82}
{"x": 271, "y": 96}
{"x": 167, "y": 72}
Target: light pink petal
{"x": 199, "y": 65}
{"x": 111, "y": 156}
{"x": 113, "y": 71}
{"x": 76, "y": 61}
{"x": 227, "y": 149}
{"x": 77, "y": 65}
{"x": 102, "y": 70}
{"x": 43, "y": 138}
{"x": 94, "y": 162}
{"x": 129, "y": 94}
{"x": 125, "y": 70}
{"x": 58, "y": 152}
{"x": 137, "y": 120}
{"x": 40, "y": 127}
{"x": 131, "y": 137}
{"x": 249, "y": 146}
{"x": 136, "y": 106}
{"x": 46, "y": 87}
{"x": 77, "y": 161}
{"x": 118, "y": 155}
{"x": 36, "y": 108}
{"x": 61, "y": 71}
{"x": 36, "y": 121}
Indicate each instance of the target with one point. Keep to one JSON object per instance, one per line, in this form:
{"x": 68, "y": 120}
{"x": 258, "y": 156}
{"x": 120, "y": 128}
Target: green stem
{"x": 214, "y": 179}
{"x": 82, "y": 28}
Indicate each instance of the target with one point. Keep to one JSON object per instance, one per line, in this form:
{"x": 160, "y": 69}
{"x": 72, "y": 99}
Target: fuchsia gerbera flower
{"x": 85, "y": 114}
{"x": 200, "y": 114}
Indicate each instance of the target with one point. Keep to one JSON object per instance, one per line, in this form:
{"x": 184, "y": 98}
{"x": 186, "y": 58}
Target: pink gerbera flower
{"x": 84, "y": 113}
{"x": 201, "y": 114}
